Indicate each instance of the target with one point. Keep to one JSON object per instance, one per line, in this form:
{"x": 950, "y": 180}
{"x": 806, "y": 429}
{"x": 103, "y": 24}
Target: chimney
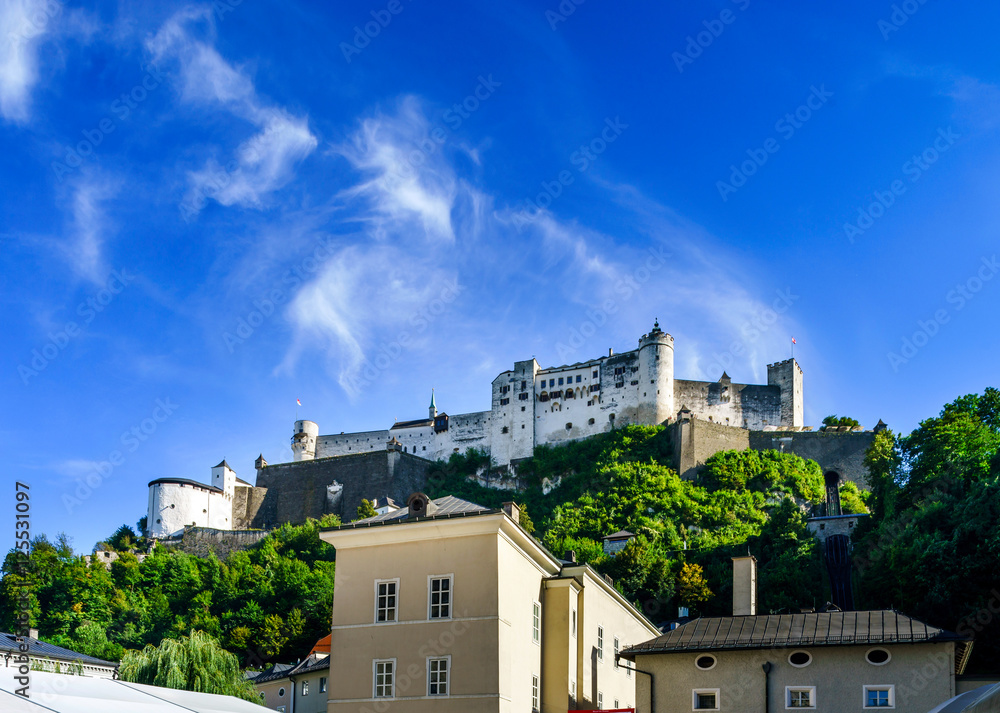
{"x": 745, "y": 586}
{"x": 512, "y": 510}
{"x": 33, "y": 633}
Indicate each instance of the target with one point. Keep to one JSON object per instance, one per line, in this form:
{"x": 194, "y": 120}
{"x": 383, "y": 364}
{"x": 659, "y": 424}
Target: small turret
{"x": 224, "y": 478}
{"x": 304, "y": 440}
{"x": 433, "y": 409}
{"x": 656, "y": 376}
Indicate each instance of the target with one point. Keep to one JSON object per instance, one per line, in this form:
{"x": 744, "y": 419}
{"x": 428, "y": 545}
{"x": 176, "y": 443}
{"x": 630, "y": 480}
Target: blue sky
{"x": 210, "y": 210}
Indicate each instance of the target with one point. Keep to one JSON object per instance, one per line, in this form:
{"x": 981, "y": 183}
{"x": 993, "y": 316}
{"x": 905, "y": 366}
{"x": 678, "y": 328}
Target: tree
{"x": 191, "y": 663}
{"x": 835, "y": 421}
{"x": 692, "y": 588}
{"x": 366, "y": 509}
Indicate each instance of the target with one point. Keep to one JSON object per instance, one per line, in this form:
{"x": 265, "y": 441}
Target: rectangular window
{"x": 616, "y": 703}
{"x": 536, "y": 622}
{"x": 560, "y": 381}
{"x": 573, "y": 624}
{"x": 385, "y": 678}
{"x": 385, "y": 600}
{"x": 280, "y": 709}
{"x": 600, "y": 644}
{"x": 552, "y": 382}
{"x": 322, "y": 684}
{"x": 600, "y": 700}
{"x": 522, "y": 397}
{"x": 534, "y": 693}
{"x": 595, "y": 374}
{"x": 880, "y": 697}
{"x": 579, "y": 378}
{"x": 617, "y": 649}
{"x": 800, "y": 697}
{"x": 705, "y": 699}
{"x": 437, "y": 676}
{"x": 572, "y": 689}
{"x": 439, "y": 597}
{"x": 305, "y": 688}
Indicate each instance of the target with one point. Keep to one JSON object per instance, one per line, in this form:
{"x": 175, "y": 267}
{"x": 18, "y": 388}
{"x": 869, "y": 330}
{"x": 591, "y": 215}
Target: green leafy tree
{"x": 366, "y": 509}
{"x": 192, "y": 663}
{"x": 692, "y": 588}
{"x": 839, "y": 422}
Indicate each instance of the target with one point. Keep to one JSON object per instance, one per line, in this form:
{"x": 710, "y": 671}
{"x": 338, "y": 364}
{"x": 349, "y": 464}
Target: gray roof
{"x": 186, "y": 481}
{"x": 414, "y": 424}
{"x": 620, "y": 535}
{"x": 448, "y": 506}
{"x": 835, "y": 628}
{"x": 985, "y": 699}
{"x": 39, "y": 649}
{"x": 280, "y": 671}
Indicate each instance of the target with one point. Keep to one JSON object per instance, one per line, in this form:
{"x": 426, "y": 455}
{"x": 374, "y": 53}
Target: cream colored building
{"x": 447, "y": 606}
{"x": 833, "y": 660}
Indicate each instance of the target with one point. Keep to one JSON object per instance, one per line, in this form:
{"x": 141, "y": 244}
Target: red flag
{"x": 300, "y": 403}
{"x": 793, "y": 342}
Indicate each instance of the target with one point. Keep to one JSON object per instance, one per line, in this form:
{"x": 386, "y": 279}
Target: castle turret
{"x": 656, "y": 376}
{"x": 304, "y": 440}
{"x": 224, "y": 478}
{"x": 788, "y": 375}
{"x": 433, "y": 409}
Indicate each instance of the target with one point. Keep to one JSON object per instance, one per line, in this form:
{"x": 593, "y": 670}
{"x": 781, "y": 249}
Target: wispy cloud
{"x": 84, "y": 246}
{"x": 23, "y": 26}
{"x": 263, "y": 163}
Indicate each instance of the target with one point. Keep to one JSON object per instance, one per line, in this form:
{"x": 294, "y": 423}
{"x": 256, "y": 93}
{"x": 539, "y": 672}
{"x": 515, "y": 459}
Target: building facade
{"x": 828, "y": 660}
{"x": 448, "y": 606}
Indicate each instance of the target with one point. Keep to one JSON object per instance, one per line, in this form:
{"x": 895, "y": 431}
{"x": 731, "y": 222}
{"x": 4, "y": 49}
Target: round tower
{"x": 656, "y": 376}
{"x": 304, "y": 440}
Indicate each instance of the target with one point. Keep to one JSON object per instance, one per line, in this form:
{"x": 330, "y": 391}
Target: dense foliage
{"x": 834, "y": 421}
{"x": 932, "y": 545}
{"x": 190, "y": 663}
{"x": 271, "y": 602}
{"x": 623, "y": 481}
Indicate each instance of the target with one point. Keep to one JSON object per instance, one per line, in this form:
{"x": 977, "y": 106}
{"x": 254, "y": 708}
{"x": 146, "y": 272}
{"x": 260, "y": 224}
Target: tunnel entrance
{"x": 832, "y": 479}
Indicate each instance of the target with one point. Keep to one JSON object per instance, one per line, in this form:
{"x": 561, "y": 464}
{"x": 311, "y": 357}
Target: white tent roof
{"x": 63, "y": 693}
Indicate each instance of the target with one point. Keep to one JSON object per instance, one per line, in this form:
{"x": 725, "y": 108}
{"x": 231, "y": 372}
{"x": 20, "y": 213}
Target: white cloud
{"x": 265, "y": 162}
{"x": 406, "y": 176}
{"x": 84, "y": 247}
{"x": 23, "y": 25}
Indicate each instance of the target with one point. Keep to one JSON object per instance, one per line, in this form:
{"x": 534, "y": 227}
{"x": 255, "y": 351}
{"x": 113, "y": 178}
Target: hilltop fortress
{"x": 530, "y": 406}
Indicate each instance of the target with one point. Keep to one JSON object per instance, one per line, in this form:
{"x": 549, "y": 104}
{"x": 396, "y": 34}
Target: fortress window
{"x": 595, "y": 374}
{"x": 552, "y": 383}
{"x": 171, "y": 504}
{"x": 504, "y": 430}
{"x": 579, "y": 378}
{"x": 595, "y": 387}
{"x": 611, "y": 417}
{"x": 619, "y": 384}
{"x": 524, "y": 385}
{"x": 504, "y": 402}
{"x": 560, "y": 381}
{"x": 523, "y": 397}
{"x": 590, "y": 422}
{"x": 425, "y": 448}
{"x": 635, "y": 383}
{"x": 569, "y": 426}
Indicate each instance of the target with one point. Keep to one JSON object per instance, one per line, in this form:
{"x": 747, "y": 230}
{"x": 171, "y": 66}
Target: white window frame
{"x": 536, "y": 698}
{"x": 618, "y": 647}
{"x": 788, "y": 698}
{"x": 878, "y": 648}
{"x": 600, "y": 700}
{"x": 694, "y": 699}
{"x": 447, "y": 676}
{"x": 878, "y": 687}
{"x": 600, "y": 644}
{"x": 451, "y": 595}
{"x": 322, "y": 684}
{"x": 536, "y": 622}
{"x": 305, "y": 688}
{"x": 800, "y": 665}
{"x": 375, "y": 663}
{"x": 395, "y": 609}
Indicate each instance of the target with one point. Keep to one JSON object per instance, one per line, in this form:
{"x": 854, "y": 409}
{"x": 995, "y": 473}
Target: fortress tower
{"x": 304, "y": 440}
{"x": 656, "y": 376}
{"x": 788, "y": 376}
{"x": 224, "y": 478}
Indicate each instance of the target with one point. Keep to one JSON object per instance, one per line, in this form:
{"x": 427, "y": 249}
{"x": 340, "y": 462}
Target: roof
{"x": 323, "y": 645}
{"x": 280, "y": 671}
{"x": 39, "y": 649}
{"x": 448, "y": 506}
{"x": 620, "y": 535}
{"x": 185, "y": 481}
{"x": 61, "y": 693}
{"x": 223, "y": 464}
{"x": 985, "y": 699}
{"x": 835, "y": 628}
{"x": 413, "y": 424}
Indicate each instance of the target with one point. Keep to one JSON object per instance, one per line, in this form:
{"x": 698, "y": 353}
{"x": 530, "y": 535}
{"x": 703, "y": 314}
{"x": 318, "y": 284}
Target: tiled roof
{"x": 186, "y": 481}
{"x": 39, "y": 649}
{"x": 807, "y": 629}
{"x": 620, "y": 535}
{"x": 283, "y": 670}
{"x": 448, "y": 506}
{"x": 413, "y": 424}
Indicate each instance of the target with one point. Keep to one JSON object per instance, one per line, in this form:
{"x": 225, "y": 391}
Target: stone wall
{"x": 202, "y": 540}
{"x": 299, "y": 490}
{"x": 840, "y": 452}
{"x": 694, "y": 441}
{"x": 246, "y": 503}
